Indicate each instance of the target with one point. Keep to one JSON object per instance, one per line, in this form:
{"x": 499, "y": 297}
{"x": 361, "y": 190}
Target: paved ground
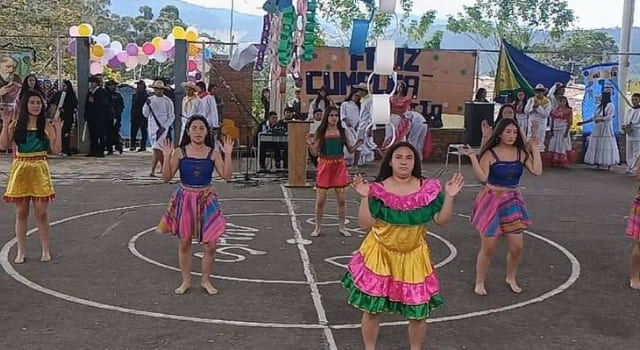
{"x": 110, "y": 283}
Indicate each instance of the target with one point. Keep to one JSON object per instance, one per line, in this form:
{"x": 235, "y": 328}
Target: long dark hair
{"x": 497, "y": 132}
{"x": 501, "y": 111}
{"x": 186, "y": 139}
{"x": 20, "y": 134}
{"x": 385, "y": 165}
{"x": 25, "y": 86}
{"x": 605, "y": 100}
{"x": 404, "y": 89}
{"x": 324, "y": 124}
{"x": 70, "y": 100}
{"x": 316, "y": 101}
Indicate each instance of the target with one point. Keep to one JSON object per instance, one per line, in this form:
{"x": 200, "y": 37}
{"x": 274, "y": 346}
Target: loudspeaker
{"x": 474, "y": 114}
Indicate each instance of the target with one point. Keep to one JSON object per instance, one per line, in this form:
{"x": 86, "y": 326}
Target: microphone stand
{"x": 247, "y": 180}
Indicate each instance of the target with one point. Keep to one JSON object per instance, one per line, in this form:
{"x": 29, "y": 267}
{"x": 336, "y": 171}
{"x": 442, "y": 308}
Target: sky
{"x": 590, "y": 13}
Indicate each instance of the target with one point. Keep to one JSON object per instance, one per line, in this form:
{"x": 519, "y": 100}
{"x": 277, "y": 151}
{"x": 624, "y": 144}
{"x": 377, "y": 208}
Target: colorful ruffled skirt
{"x": 499, "y": 212}
{"x": 193, "y": 215}
{"x": 633, "y": 223}
{"x": 332, "y": 173}
{"x": 29, "y": 178}
{"x": 392, "y": 272}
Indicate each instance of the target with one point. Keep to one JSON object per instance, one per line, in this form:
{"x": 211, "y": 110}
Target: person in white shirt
{"x": 160, "y": 114}
{"x": 631, "y": 128}
{"x": 191, "y": 105}
{"x": 365, "y": 132}
{"x": 554, "y": 93}
{"x": 350, "y": 118}
{"x": 602, "y": 149}
{"x": 538, "y": 108}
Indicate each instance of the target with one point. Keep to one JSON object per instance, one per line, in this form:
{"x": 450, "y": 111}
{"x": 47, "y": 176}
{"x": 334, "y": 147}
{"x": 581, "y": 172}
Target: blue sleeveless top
{"x": 505, "y": 174}
{"x": 196, "y": 172}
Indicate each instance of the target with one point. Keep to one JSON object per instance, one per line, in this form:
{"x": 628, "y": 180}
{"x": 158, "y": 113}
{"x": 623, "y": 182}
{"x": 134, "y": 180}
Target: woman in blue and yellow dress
{"x": 29, "y": 178}
{"x": 328, "y": 144}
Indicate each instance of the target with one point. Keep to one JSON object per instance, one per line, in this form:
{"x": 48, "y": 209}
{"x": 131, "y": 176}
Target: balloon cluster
{"x": 285, "y": 48}
{"x": 114, "y": 54}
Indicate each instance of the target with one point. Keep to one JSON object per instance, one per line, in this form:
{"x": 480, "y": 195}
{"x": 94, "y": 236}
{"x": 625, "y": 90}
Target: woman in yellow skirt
{"x": 29, "y": 179}
{"x": 392, "y": 270}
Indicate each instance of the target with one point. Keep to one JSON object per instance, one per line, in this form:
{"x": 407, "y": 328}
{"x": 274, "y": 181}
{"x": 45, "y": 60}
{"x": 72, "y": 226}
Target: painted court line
{"x": 308, "y": 271}
{"x": 8, "y": 268}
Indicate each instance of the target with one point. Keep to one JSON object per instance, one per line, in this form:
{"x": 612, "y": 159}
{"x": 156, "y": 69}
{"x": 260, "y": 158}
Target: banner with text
{"x": 432, "y": 76}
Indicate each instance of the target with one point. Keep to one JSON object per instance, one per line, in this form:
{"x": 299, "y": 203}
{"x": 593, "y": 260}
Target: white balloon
{"x": 109, "y": 53}
{"x": 143, "y": 59}
{"x": 132, "y": 61}
{"x": 160, "y": 56}
{"x": 103, "y": 39}
{"x": 116, "y": 46}
{"x": 171, "y": 38}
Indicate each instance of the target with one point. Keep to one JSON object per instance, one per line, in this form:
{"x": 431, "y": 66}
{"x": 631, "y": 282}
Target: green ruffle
{"x": 413, "y": 217}
{"x": 376, "y": 305}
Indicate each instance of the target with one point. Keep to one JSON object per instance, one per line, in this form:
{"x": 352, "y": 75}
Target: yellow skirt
{"x": 30, "y": 178}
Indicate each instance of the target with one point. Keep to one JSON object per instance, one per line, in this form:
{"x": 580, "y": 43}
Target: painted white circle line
{"x": 453, "y": 252}
{"x": 8, "y": 268}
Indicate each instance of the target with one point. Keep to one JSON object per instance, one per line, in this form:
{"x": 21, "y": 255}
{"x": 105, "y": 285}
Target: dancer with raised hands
{"x": 392, "y": 270}
{"x": 328, "y": 145}
{"x": 33, "y": 138}
{"x": 499, "y": 208}
{"x": 194, "y": 213}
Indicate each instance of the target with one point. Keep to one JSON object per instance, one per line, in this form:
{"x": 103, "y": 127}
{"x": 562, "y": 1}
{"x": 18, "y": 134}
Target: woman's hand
{"x": 468, "y": 151}
{"x": 7, "y": 115}
{"x": 361, "y": 186}
{"x": 227, "y": 145}
{"x": 57, "y": 124}
{"x": 454, "y": 185}
{"x": 486, "y": 129}
{"x": 167, "y": 148}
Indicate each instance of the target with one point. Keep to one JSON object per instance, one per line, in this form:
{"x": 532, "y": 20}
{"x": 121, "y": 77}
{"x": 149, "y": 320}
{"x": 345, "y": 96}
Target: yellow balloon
{"x": 178, "y": 32}
{"x": 97, "y": 50}
{"x": 193, "y": 50}
{"x": 191, "y": 36}
{"x": 85, "y": 29}
{"x": 156, "y": 42}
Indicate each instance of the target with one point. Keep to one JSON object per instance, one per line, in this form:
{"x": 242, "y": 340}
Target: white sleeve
{"x": 608, "y": 112}
{"x": 528, "y": 108}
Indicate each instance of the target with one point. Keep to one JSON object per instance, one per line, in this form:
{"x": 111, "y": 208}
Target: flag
{"x": 517, "y": 71}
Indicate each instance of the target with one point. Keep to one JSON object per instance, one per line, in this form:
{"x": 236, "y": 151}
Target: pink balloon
{"x": 148, "y": 49}
{"x": 131, "y": 61}
{"x": 165, "y": 45}
{"x": 96, "y": 68}
{"x": 192, "y": 65}
{"x": 122, "y": 56}
{"x": 72, "y": 47}
{"x": 132, "y": 50}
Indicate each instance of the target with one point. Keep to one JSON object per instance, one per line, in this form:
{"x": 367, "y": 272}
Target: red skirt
{"x": 332, "y": 173}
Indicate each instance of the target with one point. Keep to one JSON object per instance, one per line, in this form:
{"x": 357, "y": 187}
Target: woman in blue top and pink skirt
{"x": 194, "y": 211}
{"x": 499, "y": 208}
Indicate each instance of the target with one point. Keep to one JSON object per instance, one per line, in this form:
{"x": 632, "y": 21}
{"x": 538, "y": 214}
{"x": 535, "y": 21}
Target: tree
{"x": 580, "y": 48}
{"x": 342, "y": 12}
{"x": 521, "y": 22}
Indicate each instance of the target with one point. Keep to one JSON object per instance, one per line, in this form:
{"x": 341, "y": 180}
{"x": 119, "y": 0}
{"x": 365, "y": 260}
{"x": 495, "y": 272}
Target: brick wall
{"x": 241, "y": 84}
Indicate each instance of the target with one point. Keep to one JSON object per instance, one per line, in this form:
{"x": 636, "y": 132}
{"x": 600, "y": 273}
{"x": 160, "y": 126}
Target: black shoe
{"x": 142, "y": 149}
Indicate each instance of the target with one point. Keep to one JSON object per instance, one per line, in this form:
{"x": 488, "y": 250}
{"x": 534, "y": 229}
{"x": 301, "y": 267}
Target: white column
{"x": 623, "y": 60}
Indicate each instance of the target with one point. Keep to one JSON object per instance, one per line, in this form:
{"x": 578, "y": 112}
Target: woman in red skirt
{"x": 328, "y": 144}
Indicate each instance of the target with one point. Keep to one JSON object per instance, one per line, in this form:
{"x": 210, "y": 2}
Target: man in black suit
{"x": 114, "y": 124}
{"x": 97, "y": 111}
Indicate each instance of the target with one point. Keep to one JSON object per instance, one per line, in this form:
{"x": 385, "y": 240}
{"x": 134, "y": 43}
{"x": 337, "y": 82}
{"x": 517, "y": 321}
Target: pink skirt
{"x": 633, "y": 224}
{"x": 192, "y": 215}
{"x": 496, "y": 213}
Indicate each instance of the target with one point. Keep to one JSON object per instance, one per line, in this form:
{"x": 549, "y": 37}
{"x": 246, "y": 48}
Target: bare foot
{"x": 480, "y": 290}
{"x": 182, "y": 289}
{"x": 513, "y": 285}
{"x": 46, "y": 257}
{"x": 344, "y": 232}
{"x": 315, "y": 233}
{"x": 635, "y": 284}
{"x": 208, "y": 288}
{"x": 19, "y": 259}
